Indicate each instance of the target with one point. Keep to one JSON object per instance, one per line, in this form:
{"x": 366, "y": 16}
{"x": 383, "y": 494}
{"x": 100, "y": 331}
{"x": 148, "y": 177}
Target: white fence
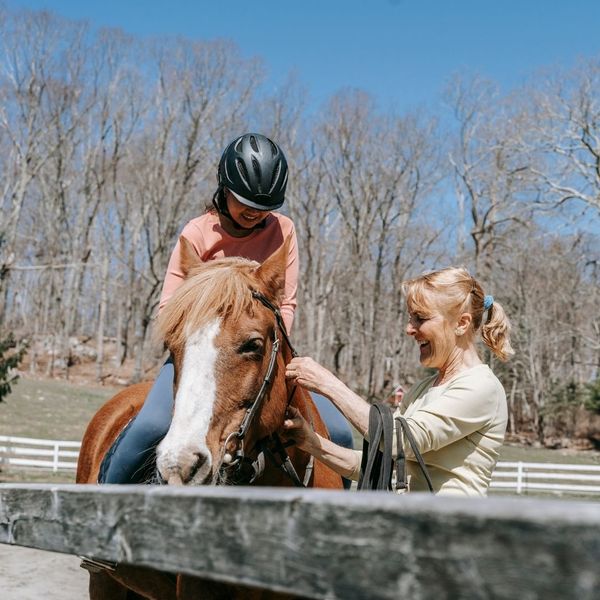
{"x": 520, "y": 477}
{"x": 525, "y": 477}
{"x": 40, "y": 454}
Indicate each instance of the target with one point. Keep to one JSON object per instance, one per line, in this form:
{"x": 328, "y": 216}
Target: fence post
{"x": 519, "y": 477}
{"x": 55, "y": 462}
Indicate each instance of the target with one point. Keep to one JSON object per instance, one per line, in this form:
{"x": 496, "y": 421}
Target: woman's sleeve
{"x": 462, "y": 409}
{"x": 355, "y": 475}
{"x": 288, "y": 304}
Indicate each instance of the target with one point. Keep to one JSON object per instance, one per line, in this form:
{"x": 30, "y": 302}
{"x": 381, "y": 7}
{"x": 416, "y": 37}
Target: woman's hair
{"x": 453, "y": 291}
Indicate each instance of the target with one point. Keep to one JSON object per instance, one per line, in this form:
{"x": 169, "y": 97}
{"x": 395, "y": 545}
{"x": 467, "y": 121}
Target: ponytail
{"x": 496, "y": 332}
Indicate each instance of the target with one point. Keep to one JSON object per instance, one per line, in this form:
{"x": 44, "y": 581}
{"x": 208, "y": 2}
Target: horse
{"x": 229, "y": 347}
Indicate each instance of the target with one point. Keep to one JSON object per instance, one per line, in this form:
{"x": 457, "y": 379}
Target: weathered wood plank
{"x": 322, "y": 544}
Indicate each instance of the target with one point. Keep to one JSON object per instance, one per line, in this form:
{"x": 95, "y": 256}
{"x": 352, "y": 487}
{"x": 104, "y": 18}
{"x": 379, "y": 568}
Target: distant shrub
{"x": 592, "y": 400}
{"x": 11, "y": 355}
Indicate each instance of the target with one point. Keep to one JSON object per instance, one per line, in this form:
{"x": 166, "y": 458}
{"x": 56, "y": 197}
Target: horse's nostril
{"x": 201, "y": 456}
{"x": 201, "y": 459}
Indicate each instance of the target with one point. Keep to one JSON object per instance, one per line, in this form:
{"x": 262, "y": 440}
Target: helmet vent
{"x": 253, "y": 143}
{"x": 238, "y": 144}
{"x": 256, "y": 168}
{"x": 274, "y": 150}
{"x": 275, "y": 177}
{"x": 241, "y": 167}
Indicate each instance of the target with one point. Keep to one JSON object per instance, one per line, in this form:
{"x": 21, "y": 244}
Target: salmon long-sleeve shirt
{"x": 210, "y": 241}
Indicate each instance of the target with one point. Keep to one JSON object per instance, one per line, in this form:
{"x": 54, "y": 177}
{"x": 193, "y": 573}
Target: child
{"x": 252, "y": 178}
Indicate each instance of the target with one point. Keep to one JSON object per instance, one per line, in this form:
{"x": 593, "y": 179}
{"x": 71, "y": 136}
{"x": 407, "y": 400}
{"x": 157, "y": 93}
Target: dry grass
{"x": 50, "y": 409}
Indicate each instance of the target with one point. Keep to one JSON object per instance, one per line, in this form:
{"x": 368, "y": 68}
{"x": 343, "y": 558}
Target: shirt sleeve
{"x": 466, "y": 406}
{"x": 174, "y": 277}
{"x": 355, "y": 475}
{"x": 288, "y": 304}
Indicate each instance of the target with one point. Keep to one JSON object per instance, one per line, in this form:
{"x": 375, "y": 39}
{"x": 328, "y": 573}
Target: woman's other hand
{"x": 296, "y": 428}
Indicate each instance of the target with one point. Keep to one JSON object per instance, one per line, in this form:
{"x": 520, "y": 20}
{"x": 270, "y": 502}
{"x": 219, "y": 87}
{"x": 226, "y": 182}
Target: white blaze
{"x": 194, "y": 403}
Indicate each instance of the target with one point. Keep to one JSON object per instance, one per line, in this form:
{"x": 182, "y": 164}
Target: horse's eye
{"x": 251, "y": 346}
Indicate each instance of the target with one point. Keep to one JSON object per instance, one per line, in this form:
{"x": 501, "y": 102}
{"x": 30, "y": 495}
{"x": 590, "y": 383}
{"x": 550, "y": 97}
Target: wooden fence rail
{"x": 40, "y": 454}
{"x": 523, "y": 477}
{"x": 322, "y": 544}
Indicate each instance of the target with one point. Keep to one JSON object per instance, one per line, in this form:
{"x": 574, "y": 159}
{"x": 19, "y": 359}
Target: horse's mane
{"x": 217, "y": 288}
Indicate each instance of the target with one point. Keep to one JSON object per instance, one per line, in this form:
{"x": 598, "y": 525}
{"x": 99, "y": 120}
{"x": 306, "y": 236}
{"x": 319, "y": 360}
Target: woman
{"x": 252, "y": 179}
{"x": 458, "y": 415}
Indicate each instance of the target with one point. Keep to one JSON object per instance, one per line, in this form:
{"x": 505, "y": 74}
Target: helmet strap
{"x": 220, "y": 205}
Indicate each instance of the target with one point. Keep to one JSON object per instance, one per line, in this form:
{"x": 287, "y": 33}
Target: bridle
{"x": 240, "y": 468}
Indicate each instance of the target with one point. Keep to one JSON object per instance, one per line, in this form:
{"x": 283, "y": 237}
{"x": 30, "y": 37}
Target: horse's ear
{"x": 187, "y": 256}
{"x": 272, "y": 272}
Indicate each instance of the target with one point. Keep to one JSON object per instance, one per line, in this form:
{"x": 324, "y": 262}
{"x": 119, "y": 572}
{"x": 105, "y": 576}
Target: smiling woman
{"x": 458, "y": 416}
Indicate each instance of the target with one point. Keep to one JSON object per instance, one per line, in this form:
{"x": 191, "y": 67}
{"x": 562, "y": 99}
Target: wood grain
{"x": 321, "y": 544}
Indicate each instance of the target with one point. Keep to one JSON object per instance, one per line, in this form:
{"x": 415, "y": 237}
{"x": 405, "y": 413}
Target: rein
{"x": 244, "y": 469}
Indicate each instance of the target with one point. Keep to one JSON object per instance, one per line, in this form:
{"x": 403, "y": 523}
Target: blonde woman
{"x": 458, "y": 415}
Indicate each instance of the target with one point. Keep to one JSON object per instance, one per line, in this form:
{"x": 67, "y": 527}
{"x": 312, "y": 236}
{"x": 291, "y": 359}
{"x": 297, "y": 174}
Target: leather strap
{"x": 376, "y": 465}
{"x": 401, "y": 460}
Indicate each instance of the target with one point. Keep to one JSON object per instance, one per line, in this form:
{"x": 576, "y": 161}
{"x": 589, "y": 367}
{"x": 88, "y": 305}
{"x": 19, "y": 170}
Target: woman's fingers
{"x": 292, "y": 369}
{"x": 293, "y": 419}
{"x": 292, "y": 412}
{"x": 304, "y": 371}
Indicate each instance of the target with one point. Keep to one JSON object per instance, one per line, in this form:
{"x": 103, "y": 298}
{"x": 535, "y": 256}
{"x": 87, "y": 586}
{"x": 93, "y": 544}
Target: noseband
{"x": 240, "y": 468}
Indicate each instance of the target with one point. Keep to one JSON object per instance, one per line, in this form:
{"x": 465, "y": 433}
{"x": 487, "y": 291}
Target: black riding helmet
{"x": 255, "y": 170}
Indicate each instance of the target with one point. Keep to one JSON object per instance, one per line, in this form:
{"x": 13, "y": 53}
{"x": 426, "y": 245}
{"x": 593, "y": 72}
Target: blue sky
{"x": 403, "y": 52}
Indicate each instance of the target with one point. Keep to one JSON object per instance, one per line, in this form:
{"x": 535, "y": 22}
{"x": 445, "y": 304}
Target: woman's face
{"x": 435, "y": 335}
{"x": 243, "y": 215}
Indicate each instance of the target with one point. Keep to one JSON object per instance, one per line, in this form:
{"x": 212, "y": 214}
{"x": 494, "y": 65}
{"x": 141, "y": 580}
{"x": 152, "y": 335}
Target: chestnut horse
{"x": 229, "y": 349}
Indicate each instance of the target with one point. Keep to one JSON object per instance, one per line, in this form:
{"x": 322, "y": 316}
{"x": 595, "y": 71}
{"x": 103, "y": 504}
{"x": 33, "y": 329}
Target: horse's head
{"x": 222, "y": 339}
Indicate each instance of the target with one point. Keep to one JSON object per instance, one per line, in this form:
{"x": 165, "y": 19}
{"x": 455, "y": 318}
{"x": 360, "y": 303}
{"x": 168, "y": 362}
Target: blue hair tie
{"x": 487, "y": 302}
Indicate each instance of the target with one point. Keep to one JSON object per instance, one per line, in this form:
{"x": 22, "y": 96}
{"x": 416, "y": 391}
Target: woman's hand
{"x": 296, "y": 428}
{"x": 309, "y": 374}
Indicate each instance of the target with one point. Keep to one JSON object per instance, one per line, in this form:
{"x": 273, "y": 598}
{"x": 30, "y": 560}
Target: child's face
{"x": 243, "y": 215}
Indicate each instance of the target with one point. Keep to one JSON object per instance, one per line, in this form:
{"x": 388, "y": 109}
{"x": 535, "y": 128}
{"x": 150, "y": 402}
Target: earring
{"x": 458, "y": 332}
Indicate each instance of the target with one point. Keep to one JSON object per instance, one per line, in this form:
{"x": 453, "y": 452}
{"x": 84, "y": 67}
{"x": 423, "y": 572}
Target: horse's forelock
{"x": 221, "y": 288}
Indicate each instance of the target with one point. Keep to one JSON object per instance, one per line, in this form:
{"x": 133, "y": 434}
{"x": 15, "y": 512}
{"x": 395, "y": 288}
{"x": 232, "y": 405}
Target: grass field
{"x": 49, "y": 409}
{"x": 58, "y": 410}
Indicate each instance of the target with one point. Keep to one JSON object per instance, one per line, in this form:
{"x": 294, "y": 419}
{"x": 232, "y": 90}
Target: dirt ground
{"x": 27, "y": 574}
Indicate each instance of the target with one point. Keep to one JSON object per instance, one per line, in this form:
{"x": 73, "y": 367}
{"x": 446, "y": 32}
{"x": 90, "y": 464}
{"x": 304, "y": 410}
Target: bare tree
{"x": 566, "y": 109}
{"x": 492, "y": 172}
{"x": 375, "y": 170}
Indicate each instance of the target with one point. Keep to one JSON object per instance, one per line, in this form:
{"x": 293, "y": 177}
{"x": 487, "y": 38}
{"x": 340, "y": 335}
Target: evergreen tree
{"x": 592, "y": 401}
{"x": 11, "y": 353}
{"x": 10, "y": 358}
